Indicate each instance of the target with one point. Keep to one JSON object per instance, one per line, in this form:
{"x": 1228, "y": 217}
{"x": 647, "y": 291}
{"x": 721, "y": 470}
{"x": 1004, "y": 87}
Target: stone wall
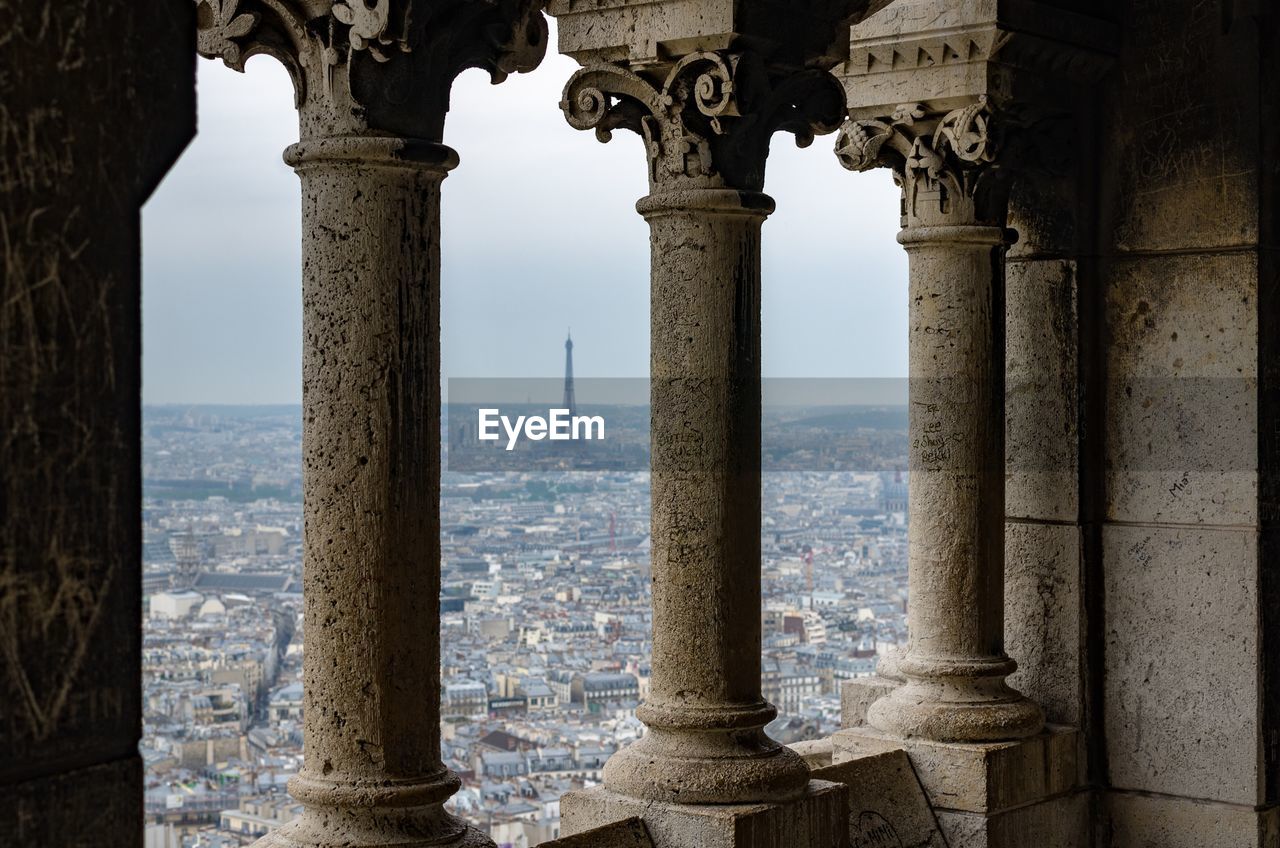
{"x": 98, "y": 100}
{"x": 1184, "y": 632}
{"x": 1269, "y": 395}
{"x": 1052, "y": 480}
{"x": 1047, "y": 343}
{"x": 1141, "y": 377}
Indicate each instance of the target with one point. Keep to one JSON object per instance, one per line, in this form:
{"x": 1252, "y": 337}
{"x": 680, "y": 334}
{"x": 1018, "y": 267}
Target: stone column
{"x": 372, "y": 87}
{"x": 371, "y": 479}
{"x": 706, "y": 117}
{"x": 954, "y": 212}
{"x": 705, "y": 712}
{"x": 956, "y": 99}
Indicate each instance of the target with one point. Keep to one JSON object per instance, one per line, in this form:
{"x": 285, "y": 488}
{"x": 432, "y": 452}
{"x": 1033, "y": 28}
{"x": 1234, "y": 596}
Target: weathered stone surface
{"x": 381, "y": 69}
{"x": 857, "y": 696}
{"x": 1145, "y": 821}
{"x": 816, "y": 753}
{"x": 979, "y": 777}
{"x": 947, "y": 53}
{"x": 1045, "y": 624}
{"x": 1182, "y": 683}
{"x": 1007, "y": 79}
{"x": 1188, "y": 651}
{"x": 98, "y": 100}
{"x": 887, "y": 806}
{"x": 628, "y": 833}
{"x": 1181, "y": 168}
{"x": 371, "y": 291}
{"x": 1045, "y": 206}
{"x": 818, "y": 819}
{"x": 704, "y": 709}
{"x": 1041, "y": 394}
{"x": 87, "y": 129}
{"x": 1062, "y": 822}
{"x": 804, "y": 34}
{"x": 95, "y": 807}
{"x": 1182, "y": 392}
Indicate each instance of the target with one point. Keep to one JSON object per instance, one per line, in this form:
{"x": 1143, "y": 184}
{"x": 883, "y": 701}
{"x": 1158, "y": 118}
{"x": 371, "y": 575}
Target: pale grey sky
{"x": 539, "y": 233}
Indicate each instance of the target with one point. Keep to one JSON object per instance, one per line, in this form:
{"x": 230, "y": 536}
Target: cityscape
{"x": 919, "y": 487}
{"x": 545, "y": 619}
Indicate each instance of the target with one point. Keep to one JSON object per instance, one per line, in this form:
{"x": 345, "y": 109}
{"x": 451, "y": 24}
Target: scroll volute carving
{"x": 375, "y": 66}
{"x": 707, "y": 113}
{"x": 709, "y": 120}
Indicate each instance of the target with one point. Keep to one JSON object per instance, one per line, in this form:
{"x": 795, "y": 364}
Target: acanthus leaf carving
{"x": 382, "y": 65}
{"x": 505, "y": 38}
{"x": 220, "y": 27}
{"x": 966, "y": 133}
{"x": 370, "y": 26}
{"x": 945, "y": 163}
{"x": 606, "y": 97}
{"x": 858, "y": 147}
{"x": 710, "y": 120}
{"x": 237, "y": 30}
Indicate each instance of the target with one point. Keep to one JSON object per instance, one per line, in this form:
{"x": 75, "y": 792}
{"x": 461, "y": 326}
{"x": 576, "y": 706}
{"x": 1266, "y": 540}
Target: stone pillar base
{"x": 996, "y": 794}
{"x": 819, "y": 819}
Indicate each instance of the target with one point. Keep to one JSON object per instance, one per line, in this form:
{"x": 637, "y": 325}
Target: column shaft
{"x": 705, "y": 430}
{"x": 371, "y": 85}
{"x": 707, "y": 118}
{"x": 371, "y": 289}
{"x": 705, "y": 711}
{"x": 956, "y": 430}
{"x": 955, "y": 666}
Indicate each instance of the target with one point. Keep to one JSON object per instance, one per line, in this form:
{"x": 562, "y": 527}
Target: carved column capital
{"x": 951, "y": 166}
{"x": 957, "y": 97}
{"x": 707, "y": 123}
{"x": 380, "y": 67}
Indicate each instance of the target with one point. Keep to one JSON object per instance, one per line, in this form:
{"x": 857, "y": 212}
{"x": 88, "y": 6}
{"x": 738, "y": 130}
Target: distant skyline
{"x": 539, "y": 233}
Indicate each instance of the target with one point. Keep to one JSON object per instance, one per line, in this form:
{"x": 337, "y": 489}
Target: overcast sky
{"x": 539, "y": 234}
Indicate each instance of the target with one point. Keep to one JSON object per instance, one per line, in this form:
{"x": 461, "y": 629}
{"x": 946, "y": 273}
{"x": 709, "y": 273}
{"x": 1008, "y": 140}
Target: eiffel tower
{"x": 569, "y": 402}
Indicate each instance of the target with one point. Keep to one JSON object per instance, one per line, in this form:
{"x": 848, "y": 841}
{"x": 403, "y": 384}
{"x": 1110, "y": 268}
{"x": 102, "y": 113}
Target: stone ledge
{"x": 1172, "y": 822}
{"x": 628, "y": 833}
{"x": 310, "y": 833}
{"x": 983, "y": 777}
{"x": 816, "y": 753}
{"x": 857, "y": 696}
{"x": 886, "y": 801}
{"x": 818, "y": 820}
{"x": 1061, "y": 822}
